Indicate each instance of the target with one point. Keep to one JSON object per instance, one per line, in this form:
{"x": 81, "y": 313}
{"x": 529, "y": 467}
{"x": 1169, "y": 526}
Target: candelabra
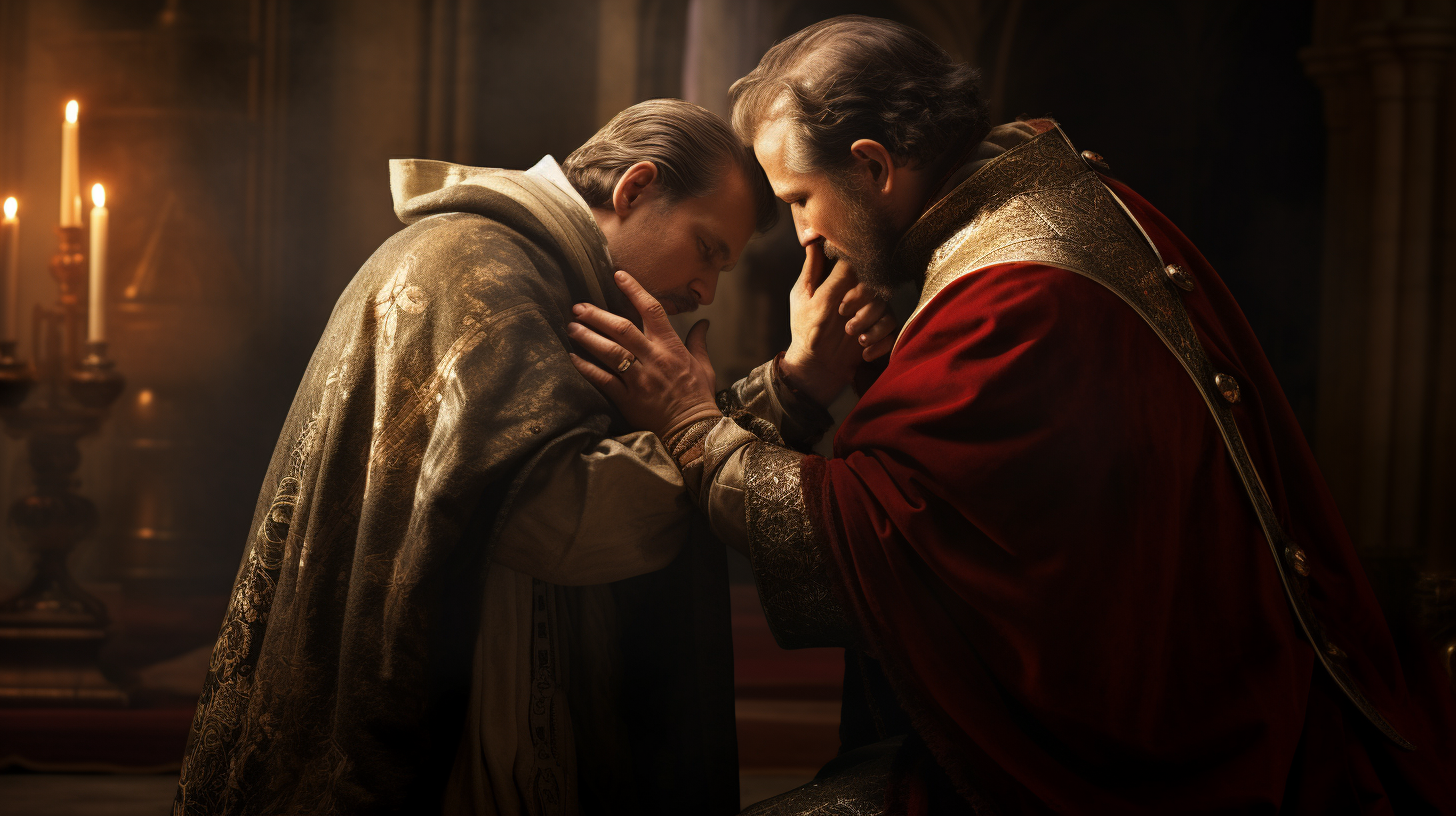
{"x": 52, "y": 630}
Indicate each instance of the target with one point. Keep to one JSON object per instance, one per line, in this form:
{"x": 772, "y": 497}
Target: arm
{"x": 765, "y": 394}
{"x": 596, "y": 510}
{"x": 735, "y": 468}
{"x": 751, "y": 490}
{"x": 835, "y": 323}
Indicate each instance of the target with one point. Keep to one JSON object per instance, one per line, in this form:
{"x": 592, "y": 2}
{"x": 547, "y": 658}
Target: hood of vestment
{"x": 338, "y": 679}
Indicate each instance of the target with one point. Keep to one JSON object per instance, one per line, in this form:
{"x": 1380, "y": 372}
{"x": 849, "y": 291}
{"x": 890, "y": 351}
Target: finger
{"x": 867, "y": 316}
{"x": 608, "y": 353}
{"x": 654, "y": 317}
{"x": 612, "y": 327}
{"x": 879, "y": 349}
{"x": 841, "y": 279}
{"x": 855, "y": 299}
{"x": 604, "y": 382}
{"x": 813, "y": 272}
{"x": 882, "y": 328}
{"x": 698, "y": 342}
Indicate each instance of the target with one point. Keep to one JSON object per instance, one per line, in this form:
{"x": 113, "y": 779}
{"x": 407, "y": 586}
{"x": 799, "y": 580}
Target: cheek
{"x": 817, "y": 217}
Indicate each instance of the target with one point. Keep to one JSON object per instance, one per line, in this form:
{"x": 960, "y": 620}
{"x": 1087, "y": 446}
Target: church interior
{"x": 151, "y": 343}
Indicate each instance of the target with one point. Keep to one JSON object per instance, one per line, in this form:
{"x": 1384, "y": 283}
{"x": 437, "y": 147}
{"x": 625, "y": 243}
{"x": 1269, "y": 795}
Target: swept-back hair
{"x": 691, "y": 146}
{"x": 856, "y": 77}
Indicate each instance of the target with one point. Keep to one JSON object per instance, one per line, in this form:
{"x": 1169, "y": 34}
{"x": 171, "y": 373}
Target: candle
{"x": 70, "y": 168}
{"x": 97, "y": 323}
{"x": 11, "y": 327}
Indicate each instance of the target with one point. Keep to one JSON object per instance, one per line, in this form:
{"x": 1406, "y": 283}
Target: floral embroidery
{"x": 397, "y": 295}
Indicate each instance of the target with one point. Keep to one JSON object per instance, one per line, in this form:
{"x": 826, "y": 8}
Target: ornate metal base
{"x": 54, "y": 667}
{"x": 850, "y": 785}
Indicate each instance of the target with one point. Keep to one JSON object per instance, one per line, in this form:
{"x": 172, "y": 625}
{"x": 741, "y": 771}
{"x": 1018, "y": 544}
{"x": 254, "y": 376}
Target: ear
{"x": 635, "y": 183}
{"x": 876, "y": 161}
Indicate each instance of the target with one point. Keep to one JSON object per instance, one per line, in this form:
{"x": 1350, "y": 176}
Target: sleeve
{"x": 595, "y": 511}
{"x": 764, "y": 393}
{"x": 749, "y": 486}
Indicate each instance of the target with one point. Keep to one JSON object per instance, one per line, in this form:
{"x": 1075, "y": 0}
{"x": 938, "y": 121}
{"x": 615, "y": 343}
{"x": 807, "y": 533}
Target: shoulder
{"x": 1012, "y": 303}
{"x": 472, "y": 256}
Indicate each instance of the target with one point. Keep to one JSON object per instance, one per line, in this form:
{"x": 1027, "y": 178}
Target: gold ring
{"x": 625, "y": 364}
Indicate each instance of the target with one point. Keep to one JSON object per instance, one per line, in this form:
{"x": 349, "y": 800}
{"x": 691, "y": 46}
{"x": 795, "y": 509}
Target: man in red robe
{"x": 1074, "y": 522}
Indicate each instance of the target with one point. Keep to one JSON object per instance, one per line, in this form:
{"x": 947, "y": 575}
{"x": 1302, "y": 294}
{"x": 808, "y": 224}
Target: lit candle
{"x": 97, "y": 323}
{"x": 11, "y": 326}
{"x": 70, "y": 168}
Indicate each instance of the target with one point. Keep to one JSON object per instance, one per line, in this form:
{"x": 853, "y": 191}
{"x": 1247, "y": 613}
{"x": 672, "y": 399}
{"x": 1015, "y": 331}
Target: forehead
{"x": 772, "y": 145}
{"x": 728, "y": 212}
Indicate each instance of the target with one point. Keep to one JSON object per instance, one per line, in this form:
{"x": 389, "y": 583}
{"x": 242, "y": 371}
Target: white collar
{"x": 549, "y": 170}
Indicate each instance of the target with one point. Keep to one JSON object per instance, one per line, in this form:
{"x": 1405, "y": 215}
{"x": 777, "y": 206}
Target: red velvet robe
{"x": 1042, "y": 537}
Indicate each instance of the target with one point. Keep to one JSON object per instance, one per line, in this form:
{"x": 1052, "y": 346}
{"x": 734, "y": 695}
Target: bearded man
{"x": 1073, "y": 524}
{"x": 419, "y": 621}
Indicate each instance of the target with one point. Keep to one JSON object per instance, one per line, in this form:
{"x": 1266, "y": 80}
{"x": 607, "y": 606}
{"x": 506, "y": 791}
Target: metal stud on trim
{"x": 1227, "y": 386}
{"x": 1096, "y": 160}
{"x": 1297, "y": 560}
{"x": 1179, "y": 276}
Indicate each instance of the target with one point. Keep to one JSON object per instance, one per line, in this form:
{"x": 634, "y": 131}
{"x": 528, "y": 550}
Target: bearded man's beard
{"x": 868, "y": 240}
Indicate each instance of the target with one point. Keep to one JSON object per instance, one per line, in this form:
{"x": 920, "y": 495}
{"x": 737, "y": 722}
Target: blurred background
{"x": 1303, "y": 146}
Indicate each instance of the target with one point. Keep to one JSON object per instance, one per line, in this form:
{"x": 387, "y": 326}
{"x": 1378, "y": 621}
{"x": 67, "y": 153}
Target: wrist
{"x": 806, "y": 380}
{"x": 686, "y": 421}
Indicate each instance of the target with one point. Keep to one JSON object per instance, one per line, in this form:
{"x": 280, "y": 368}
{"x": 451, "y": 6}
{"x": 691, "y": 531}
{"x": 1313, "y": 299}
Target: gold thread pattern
{"x": 858, "y": 791}
{"x": 790, "y": 566}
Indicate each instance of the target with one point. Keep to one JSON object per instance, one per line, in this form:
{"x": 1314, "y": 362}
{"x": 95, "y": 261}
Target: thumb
{"x": 698, "y": 343}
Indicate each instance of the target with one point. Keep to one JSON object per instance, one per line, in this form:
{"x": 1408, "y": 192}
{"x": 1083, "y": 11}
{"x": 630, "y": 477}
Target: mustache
{"x": 679, "y": 304}
{"x": 835, "y": 254}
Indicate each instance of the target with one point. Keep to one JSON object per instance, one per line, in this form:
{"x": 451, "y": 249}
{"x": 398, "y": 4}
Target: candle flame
{"x": 11, "y": 206}
{"x": 98, "y": 195}
{"x": 73, "y": 109}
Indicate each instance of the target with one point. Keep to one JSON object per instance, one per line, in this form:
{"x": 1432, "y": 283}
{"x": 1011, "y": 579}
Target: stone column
{"x": 1386, "y": 425}
{"x": 724, "y": 41}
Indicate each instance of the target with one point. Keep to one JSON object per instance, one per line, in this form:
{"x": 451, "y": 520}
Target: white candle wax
{"x": 11, "y": 328}
{"x": 71, "y": 167}
{"x": 99, "y": 217}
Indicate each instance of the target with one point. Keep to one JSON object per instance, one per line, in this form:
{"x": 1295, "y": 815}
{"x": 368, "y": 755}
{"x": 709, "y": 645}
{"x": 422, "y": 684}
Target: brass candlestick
{"x": 52, "y": 630}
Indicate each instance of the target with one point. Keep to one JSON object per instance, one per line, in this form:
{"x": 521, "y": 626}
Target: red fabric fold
{"x": 1039, "y": 530}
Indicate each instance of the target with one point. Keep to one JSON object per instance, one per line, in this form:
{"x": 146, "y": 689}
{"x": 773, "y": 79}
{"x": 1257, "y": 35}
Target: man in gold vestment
{"x": 443, "y": 465}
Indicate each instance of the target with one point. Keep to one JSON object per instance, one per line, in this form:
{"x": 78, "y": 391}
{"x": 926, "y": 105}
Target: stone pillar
{"x": 724, "y": 42}
{"x": 618, "y": 23}
{"x": 1386, "y": 425}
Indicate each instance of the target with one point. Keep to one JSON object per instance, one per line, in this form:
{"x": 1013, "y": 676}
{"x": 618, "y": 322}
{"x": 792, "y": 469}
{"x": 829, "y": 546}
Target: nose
{"x": 704, "y": 288}
{"x": 806, "y": 231}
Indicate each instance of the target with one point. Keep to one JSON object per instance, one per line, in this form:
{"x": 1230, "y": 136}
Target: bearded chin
{"x": 873, "y": 267}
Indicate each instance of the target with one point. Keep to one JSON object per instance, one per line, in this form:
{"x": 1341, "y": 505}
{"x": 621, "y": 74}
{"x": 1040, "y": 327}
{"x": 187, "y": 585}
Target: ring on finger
{"x": 626, "y": 363}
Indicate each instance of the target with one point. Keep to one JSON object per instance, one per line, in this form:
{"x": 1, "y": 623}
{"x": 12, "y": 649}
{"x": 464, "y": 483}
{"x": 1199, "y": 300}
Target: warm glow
{"x": 98, "y": 195}
{"x": 144, "y": 398}
{"x": 11, "y": 206}
{"x": 72, "y": 110}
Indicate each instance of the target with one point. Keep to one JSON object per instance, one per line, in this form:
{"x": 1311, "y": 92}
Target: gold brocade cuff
{"x": 790, "y": 563}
